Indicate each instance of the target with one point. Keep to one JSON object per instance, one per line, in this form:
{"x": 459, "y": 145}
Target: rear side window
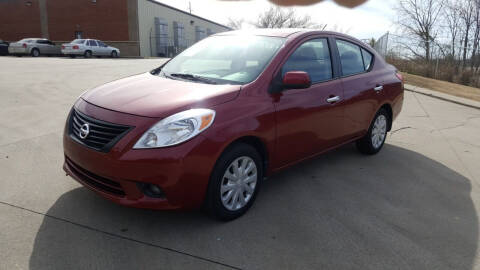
{"x": 350, "y": 58}
{"x": 92, "y": 43}
{"x": 101, "y": 44}
{"x": 367, "y": 59}
{"x": 312, "y": 57}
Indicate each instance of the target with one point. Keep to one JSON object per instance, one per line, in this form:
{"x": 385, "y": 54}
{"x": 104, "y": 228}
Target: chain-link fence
{"x": 435, "y": 59}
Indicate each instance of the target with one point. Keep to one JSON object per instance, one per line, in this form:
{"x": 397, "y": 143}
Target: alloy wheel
{"x": 379, "y": 131}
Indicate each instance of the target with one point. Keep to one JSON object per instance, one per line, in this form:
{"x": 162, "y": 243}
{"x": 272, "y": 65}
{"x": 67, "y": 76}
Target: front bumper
{"x": 182, "y": 171}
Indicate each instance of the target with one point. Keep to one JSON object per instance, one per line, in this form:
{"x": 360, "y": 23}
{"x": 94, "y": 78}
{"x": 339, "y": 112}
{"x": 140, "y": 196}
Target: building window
{"x": 78, "y": 34}
{"x": 179, "y": 35}
{"x": 161, "y": 37}
{"x": 199, "y": 33}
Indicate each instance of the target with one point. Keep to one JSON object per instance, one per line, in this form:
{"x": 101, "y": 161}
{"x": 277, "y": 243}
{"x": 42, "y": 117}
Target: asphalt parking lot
{"x": 412, "y": 206}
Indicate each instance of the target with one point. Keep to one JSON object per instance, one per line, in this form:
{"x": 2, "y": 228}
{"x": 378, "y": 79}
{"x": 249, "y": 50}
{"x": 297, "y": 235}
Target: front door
{"x": 309, "y": 120}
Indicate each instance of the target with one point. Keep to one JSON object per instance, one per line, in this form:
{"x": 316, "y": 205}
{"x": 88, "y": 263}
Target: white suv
{"x": 89, "y": 48}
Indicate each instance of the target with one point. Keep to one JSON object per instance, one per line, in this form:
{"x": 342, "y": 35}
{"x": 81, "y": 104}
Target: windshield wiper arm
{"x": 193, "y": 77}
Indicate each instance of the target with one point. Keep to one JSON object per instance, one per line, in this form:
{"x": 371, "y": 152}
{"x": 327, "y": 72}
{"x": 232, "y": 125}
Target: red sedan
{"x": 208, "y": 126}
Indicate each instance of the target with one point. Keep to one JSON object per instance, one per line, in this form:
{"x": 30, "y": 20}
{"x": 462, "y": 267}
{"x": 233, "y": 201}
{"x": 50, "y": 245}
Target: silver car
{"x": 34, "y": 47}
{"x": 89, "y": 48}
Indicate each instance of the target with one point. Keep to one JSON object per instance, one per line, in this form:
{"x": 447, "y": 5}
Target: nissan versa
{"x": 208, "y": 126}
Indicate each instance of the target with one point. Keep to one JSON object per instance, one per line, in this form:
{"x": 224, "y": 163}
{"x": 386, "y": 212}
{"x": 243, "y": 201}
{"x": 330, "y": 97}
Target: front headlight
{"x": 176, "y": 129}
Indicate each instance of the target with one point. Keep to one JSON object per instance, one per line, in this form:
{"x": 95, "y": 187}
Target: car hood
{"x": 154, "y": 96}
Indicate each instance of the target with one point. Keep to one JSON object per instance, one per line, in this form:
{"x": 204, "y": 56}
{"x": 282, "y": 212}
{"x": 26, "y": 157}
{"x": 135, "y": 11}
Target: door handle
{"x": 378, "y": 88}
{"x": 333, "y": 99}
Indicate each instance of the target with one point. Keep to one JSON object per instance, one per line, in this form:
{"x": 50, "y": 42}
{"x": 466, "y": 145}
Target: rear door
{"x": 93, "y": 47}
{"x": 42, "y": 45}
{"x": 309, "y": 120}
{"x": 362, "y": 86}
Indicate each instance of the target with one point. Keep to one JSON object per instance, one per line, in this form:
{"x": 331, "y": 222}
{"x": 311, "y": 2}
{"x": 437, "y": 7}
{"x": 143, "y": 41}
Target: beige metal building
{"x": 166, "y": 31}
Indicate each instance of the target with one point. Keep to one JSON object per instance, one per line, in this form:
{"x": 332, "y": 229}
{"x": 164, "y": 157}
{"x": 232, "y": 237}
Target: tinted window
{"x": 350, "y": 57}
{"x": 101, "y": 44}
{"x": 312, "y": 57}
{"x": 367, "y": 59}
{"x": 92, "y": 43}
{"x": 41, "y": 41}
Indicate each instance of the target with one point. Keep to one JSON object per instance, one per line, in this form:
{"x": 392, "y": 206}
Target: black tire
{"x": 35, "y": 52}
{"x": 365, "y": 144}
{"x": 18, "y": 55}
{"x": 88, "y": 54}
{"x": 114, "y": 54}
{"x": 213, "y": 201}
{"x": 72, "y": 56}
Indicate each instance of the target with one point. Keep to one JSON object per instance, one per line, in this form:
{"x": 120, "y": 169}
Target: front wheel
{"x": 374, "y": 140}
{"x": 234, "y": 182}
{"x": 114, "y": 54}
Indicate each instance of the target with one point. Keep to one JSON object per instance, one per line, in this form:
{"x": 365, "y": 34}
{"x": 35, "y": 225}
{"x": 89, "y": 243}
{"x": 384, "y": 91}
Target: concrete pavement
{"x": 412, "y": 206}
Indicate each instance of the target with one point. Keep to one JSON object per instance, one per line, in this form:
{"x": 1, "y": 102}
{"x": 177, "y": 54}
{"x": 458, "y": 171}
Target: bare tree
{"x": 476, "y": 37}
{"x": 467, "y": 17}
{"x": 276, "y": 17}
{"x": 419, "y": 18}
{"x": 235, "y": 23}
{"x": 452, "y": 13}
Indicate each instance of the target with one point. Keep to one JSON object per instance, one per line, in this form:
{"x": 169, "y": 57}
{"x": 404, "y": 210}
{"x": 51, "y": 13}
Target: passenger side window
{"x": 350, "y": 58}
{"x": 101, "y": 44}
{"x": 312, "y": 57}
{"x": 92, "y": 43}
{"x": 367, "y": 59}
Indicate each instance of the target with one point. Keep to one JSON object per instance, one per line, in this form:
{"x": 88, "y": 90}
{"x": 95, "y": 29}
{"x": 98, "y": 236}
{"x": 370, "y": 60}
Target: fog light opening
{"x": 151, "y": 190}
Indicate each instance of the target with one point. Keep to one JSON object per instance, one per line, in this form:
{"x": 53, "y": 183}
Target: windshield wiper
{"x": 192, "y": 77}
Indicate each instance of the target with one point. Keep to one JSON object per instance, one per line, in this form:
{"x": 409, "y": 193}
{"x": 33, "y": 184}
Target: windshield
{"x": 225, "y": 59}
{"x": 78, "y": 41}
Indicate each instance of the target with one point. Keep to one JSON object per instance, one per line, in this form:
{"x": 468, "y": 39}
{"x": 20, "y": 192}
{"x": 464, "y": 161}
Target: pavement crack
{"x": 399, "y": 129}
{"x": 121, "y": 236}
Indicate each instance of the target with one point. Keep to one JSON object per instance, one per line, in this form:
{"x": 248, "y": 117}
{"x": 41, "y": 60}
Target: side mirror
{"x": 296, "y": 80}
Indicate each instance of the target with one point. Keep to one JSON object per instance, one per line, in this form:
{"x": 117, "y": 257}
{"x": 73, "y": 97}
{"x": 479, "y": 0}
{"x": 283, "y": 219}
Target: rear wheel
{"x": 87, "y": 54}
{"x": 234, "y": 182}
{"x": 35, "y": 52}
{"x": 373, "y": 141}
{"x": 114, "y": 54}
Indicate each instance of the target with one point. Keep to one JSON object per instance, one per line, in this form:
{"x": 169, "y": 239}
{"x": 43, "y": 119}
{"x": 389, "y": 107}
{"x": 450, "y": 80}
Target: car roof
{"x": 279, "y": 32}
{"x": 287, "y": 32}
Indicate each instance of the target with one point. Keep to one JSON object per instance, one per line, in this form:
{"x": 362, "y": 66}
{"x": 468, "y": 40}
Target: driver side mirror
{"x": 296, "y": 80}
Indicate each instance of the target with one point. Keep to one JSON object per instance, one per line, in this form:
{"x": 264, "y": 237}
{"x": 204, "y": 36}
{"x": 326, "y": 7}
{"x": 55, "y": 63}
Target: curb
{"x": 445, "y": 97}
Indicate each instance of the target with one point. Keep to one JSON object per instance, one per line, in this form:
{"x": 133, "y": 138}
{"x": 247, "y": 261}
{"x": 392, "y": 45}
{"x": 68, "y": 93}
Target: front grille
{"x": 102, "y": 135}
{"x": 94, "y": 180}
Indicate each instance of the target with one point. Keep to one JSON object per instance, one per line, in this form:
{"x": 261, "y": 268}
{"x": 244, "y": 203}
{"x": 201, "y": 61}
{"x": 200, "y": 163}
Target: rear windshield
{"x": 78, "y": 41}
{"x": 26, "y": 40}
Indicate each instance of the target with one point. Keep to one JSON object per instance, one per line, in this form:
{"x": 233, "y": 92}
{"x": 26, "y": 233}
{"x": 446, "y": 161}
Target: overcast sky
{"x": 372, "y": 19}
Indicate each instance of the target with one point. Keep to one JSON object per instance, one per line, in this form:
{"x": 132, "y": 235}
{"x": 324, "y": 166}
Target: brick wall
{"x": 19, "y": 19}
{"x": 104, "y": 19}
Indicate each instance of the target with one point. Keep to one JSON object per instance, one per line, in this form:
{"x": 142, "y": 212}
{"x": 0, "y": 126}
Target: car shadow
{"x": 395, "y": 210}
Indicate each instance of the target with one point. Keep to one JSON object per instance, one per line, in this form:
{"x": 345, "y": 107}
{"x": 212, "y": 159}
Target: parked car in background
{"x": 34, "y": 47}
{"x": 205, "y": 128}
{"x": 89, "y": 48}
{"x": 3, "y": 47}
